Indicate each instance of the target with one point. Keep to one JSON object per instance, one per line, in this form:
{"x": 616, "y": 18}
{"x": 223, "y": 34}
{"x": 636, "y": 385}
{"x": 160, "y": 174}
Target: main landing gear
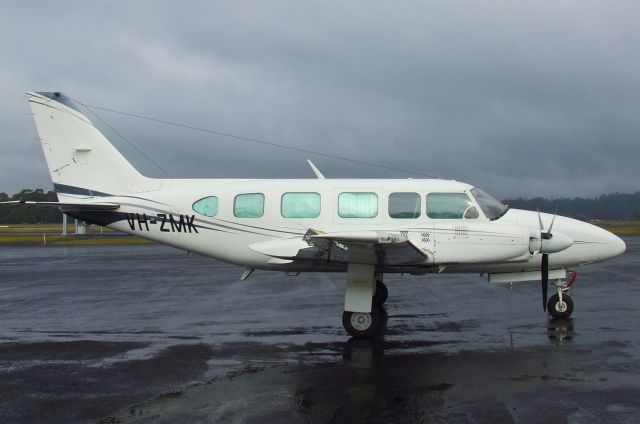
{"x": 381, "y": 294}
{"x": 560, "y": 305}
{"x": 363, "y": 324}
{"x": 362, "y": 296}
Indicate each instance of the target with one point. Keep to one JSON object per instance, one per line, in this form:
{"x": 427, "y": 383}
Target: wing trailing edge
{"x": 379, "y": 248}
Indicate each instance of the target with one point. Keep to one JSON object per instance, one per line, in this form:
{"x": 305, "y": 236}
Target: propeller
{"x": 544, "y": 265}
{"x": 544, "y": 270}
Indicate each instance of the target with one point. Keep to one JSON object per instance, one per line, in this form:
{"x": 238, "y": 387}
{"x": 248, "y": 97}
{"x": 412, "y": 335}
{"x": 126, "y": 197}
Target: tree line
{"x": 614, "y": 206}
{"x": 29, "y": 214}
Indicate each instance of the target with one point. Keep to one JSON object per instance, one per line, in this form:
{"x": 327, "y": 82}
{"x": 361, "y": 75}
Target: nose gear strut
{"x": 560, "y": 305}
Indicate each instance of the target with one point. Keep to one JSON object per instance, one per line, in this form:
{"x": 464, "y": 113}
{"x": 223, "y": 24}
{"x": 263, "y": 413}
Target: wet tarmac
{"x": 148, "y": 334}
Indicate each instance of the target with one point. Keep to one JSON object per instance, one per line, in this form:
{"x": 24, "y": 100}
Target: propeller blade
{"x": 552, "y": 221}
{"x": 540, "y": 221}
{"x": 544, "y": 270}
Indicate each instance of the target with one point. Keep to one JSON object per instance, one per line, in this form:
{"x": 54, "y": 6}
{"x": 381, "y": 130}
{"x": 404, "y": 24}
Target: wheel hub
{"x": 561, "y": 306}
{"x": 361, "y": 321}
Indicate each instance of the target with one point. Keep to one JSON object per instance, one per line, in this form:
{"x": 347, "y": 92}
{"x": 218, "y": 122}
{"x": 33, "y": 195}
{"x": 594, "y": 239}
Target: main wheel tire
{"x": 362, "y": 324}
{"x": 381, "y": 294}
{"x": 560, "y": 310}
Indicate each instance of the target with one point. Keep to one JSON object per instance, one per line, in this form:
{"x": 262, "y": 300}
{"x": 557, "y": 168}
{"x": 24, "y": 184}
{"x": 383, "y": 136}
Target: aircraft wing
{"x": 66, "y": 206}
{"x": 380, "y": 248}
{"x": 370, "y": 247}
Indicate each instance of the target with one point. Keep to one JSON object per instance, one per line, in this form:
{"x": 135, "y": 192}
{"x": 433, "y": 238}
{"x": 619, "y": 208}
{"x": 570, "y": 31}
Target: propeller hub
{"x": 556, "y": 243}
{"x": 547, "y": 243}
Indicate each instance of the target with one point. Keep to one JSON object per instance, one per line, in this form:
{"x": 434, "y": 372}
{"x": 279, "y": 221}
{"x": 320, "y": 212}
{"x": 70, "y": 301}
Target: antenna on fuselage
{"x": 315, "y": 170}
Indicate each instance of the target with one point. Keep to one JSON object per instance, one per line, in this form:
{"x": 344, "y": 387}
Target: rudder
{"x": 81, "y": 160}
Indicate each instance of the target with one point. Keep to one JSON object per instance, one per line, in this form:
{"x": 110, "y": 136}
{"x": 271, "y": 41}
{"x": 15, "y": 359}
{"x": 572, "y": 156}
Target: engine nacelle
{"x": 555, "y": 242}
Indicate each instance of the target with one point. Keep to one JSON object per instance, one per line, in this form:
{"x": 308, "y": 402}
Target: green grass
{"x": 621, "y": 228}
{"x": 39, "y": 240}
{"x": 45, "y": 228}
{"x": 97, "y": 241}
{"x": 624, "y": 231}
{"x": 32, "y": 235}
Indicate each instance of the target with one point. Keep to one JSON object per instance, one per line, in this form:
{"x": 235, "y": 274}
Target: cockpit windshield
{"x": 490, "y": 206}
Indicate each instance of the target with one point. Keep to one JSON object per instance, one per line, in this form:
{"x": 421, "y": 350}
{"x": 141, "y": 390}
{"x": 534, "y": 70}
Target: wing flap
{"x": 375, "y": 237}
{"x": 378, "y": 248}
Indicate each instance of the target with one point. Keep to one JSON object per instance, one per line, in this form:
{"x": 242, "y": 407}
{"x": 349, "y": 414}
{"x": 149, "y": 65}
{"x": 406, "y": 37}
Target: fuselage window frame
{"x": 206, "y": 206}
{"x": 250, "y": 211}
{"x": 354, "y": 204}
{"x": 400, "y": 212}
{"x": 313, "y": 209}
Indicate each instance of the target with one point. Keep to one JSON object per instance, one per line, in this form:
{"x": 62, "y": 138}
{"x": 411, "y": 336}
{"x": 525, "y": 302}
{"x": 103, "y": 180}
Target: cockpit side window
{"x": 450, "y": 206}
{"x": 489, "y": 205}
{"x": 207, "y": 206}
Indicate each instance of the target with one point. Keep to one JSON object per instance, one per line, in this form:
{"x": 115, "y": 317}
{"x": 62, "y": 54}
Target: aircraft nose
{"x": 607, "y": 244}
{"x": 593, "y": 243}
{"x": 590, "y": 243}
{"x": 613, "y": 246}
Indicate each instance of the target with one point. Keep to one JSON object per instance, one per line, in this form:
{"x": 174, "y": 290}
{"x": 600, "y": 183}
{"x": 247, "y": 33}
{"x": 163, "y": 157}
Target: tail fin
{"x": 81, "y": 160}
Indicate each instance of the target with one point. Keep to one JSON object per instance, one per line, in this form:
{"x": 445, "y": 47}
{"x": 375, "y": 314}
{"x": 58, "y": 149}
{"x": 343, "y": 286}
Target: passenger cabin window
{"x": 358, "y": 205}
{"x": 250, "y": 205}
{"x": 300, "y": 205}
{"x": 207, "y": 206}
{"x": 404, "y": 205}
{"x": 450, "y": 206}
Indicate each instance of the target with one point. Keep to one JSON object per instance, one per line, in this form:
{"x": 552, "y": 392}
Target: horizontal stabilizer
{"x": 103, "y": 206}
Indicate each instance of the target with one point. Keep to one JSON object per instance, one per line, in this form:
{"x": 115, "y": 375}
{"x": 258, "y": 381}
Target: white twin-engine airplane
{"x": 366, "y": 227}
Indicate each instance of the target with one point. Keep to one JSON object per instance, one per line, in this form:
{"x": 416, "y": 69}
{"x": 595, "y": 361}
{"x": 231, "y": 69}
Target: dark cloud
{"x": 520, "y": 99}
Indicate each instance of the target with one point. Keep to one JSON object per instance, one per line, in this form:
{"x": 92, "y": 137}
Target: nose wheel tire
{"x": 362, "y": 324}
{"x": 381, "y": 294}
{"x": 559, "y": 309}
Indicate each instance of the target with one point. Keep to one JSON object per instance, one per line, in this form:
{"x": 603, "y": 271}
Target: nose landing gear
{"x": 560, "y": 305}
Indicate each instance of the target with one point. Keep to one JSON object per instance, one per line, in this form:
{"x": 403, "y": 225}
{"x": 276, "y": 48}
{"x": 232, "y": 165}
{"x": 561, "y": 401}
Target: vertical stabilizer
{"x": 81, "y": 160}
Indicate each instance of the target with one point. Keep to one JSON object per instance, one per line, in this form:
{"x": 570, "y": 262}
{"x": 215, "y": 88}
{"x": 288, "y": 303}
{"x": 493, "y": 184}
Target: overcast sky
{"x": 518, "y": 98}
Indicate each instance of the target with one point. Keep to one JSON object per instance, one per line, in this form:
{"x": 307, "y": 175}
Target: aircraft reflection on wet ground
{"x": 163, "y": 337}
{"x": 533, "y": 384}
